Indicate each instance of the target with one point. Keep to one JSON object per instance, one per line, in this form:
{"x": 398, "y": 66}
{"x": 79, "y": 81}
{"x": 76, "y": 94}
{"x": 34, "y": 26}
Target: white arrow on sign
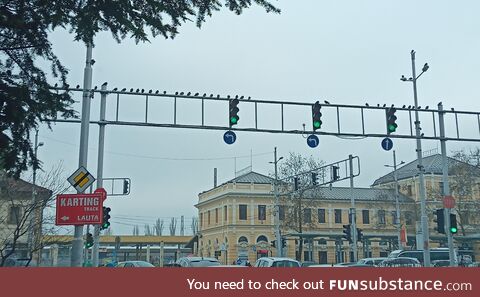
{"x": 65, "y": 218}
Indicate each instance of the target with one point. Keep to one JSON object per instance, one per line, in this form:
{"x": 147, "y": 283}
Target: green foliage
{"x": 26, "y": 96}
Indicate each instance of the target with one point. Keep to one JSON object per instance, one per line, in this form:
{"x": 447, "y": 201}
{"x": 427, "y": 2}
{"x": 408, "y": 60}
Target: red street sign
{"x": 448, "y": 202}
{"x": 80, "y": 209}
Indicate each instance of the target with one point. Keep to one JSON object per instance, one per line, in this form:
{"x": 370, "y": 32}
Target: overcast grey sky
{"x": 346, "y": 52}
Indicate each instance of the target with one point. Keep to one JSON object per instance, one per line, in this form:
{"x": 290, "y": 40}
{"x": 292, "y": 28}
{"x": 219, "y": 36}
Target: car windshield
{"x": 285, "y": 264}
{"x": 144, "y": 264}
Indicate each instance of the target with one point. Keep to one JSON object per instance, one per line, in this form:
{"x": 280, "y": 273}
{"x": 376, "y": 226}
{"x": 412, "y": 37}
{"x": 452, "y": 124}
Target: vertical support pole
{"x": 423, "y": 209}
{"x": 446, "y": 185}
{"x": 353, "y": 211}
{"x": 397, "y": 205}
{"x": 77, "y": 242}
{"x": 101, "y": 147}
{"x": 277, "y": 208}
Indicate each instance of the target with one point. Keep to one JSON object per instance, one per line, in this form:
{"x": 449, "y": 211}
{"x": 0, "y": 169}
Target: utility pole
{"x": 397, "y": 204}
{"x": 101, "y": 146}
{"x": 446, "y": 185}
{"x": 421, "y": 179}
{"x": 278, "y": 238}
{"x": 77, "y": 242}
{"x": 353, "y": 211}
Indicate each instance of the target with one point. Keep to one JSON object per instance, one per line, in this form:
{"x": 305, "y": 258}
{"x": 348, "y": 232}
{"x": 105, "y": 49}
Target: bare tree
{"x": 297, "y": 205}
{"x": 148, "y": 231}
{"x": 26, "y": 213}
{"x": 159, "y": 227}
{"x": 136, "y": 230}
{"x": 173, "y": 226}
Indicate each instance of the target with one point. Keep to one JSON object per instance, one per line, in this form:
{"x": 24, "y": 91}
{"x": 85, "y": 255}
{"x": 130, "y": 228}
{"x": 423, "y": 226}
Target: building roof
{"x": 363, "y": 194}
{"x": 431, "y": 164}
{"x": 252, "y": 177}
{"x": 20, "y": 188}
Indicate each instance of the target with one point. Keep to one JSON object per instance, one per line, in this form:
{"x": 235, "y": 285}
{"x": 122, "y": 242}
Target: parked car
{"x": 134, "y": 264}
{"x": 371, "y": 261}
{"x": 196, "y": 262}
{"x": 276, "y": 262}
{"x": 308, "y": 263}
{"x": 435, "y": 254}
{"x": 400, "y": 262}
{"x": 441, "y": 263}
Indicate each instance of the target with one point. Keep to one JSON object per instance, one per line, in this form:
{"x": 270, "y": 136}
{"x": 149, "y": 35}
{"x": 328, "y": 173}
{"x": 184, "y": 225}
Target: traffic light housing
{"x": 391, "y": 120}
{"x": 335, "y": 174}
{"x": 126, "y": 186}
{"x": 295, "y": 183}
{"x": 440, "y": 220}
{"x": 106, "y": 218}
{"x": 233, "y": 112}
{"x": 453, "y": 223}
{"x": 316, "y": 116}
{"x": 89, "y": 241}
{"x": 359, "y": 234}
{"x": 347, "y": 233}
{"x": 284, "y": 243}
{"x": 314, "y": 178}
{"x": 273, "y": 243}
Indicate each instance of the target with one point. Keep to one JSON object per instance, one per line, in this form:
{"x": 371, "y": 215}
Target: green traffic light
{"x": 392, "y": 127}
{"x": 317, "y": 124}
{"x": 453, "y": 230}
{"x": 233, "y": 120}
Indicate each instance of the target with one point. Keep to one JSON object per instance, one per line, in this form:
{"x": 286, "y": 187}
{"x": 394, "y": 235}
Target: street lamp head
{"x": 40, "y": 144}
{"x": 425, "y": 67}
{"x": 279, "y": 159}
{"x": 403, "y": 162}
{"x": 403, "y": 78}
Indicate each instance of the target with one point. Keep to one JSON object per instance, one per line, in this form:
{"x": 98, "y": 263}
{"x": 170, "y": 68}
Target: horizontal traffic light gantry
{"x": 391, "y": 120}
{"x": 233, "y": 112}
{"x": 316, "y": 116}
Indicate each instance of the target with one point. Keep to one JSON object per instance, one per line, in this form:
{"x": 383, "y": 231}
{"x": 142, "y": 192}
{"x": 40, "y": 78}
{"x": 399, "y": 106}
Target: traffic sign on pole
{"x": 312, "y": 141}
{"x": 387, "y": 144}
{"x": 81, "y": 179}
{"x": 229, "y": 137}
{"x": 448, "y": 202}
{"x": 79, "y": 209}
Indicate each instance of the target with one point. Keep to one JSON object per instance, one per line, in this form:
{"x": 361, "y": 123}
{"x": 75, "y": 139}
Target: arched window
{"x": 242, "y": 239}
{"x": 322, "y": 241}
{"x": 262, "y": 238}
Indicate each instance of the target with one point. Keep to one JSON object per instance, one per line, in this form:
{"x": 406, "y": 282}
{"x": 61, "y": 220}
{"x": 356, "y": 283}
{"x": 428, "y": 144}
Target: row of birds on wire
{"x": 142, "y": 91}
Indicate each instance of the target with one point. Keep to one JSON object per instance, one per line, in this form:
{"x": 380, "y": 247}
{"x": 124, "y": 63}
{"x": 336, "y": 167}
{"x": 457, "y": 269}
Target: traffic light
{"x": 347, "y": 233}
{"x": 284, "y": 243}
{"x": 316, "y": 116}
{"x": 126, "y": 187}
{"x": 335, "y": 175}
{"x": 314, "y": 178}
{"x": 453, "y": 223}
{"x": 273, "y": 243}
{"x": 295, "y": 183}
{"x": 89, "y": 241}
{"x": 440, "y": 220}
{"x": 391, "y": 119}
{"x": 106, "y": 217}
{"x": 359, "y": 234}
{"x": 233, "y": 116}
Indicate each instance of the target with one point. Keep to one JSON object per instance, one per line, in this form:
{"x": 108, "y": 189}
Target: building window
{"x": 208, "y": 218}
{"x": 440, "y": 188}
{"x": 201, "y": 220}
{"x": 307, "y": 215}
{"x": 242, "y": 239}
{"x": 14, "y": 215}
{"x": 225, "y": 213}
{"x": 381, "y": 217}
{"x": 262, "y": 216}
{"x": 281, "y": 212}
{"x": 409, "y": 190}
{"x": 216, "y": 215}
{"x": 409, "y": 218}
{"x": 242, "y": 212}
{"x": 322, "y": 257}
{"x": 338, "y": 216}
{"x": 366, "y": 216}
{"x": 262, "y": 238}
{"x": 321, "y": 215}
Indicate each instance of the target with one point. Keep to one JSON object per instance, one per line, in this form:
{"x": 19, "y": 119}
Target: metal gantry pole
{"x": 423, "y": 211}
{"x": 397, "y": 204}
{"x": 77, "y": 242}
{"x": 278, "y": 238}
{"x": 353, "y": 211}
{"x": 101, "y": 147}
{"x": 446, "y": 185}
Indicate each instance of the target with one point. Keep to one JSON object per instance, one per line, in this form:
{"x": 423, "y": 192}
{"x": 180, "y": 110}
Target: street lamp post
{"x": 33, "y": 211}
{"x": 277, "y": 206}
{"x": 397, "y": 204}
{"x": 423, "y": 218}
